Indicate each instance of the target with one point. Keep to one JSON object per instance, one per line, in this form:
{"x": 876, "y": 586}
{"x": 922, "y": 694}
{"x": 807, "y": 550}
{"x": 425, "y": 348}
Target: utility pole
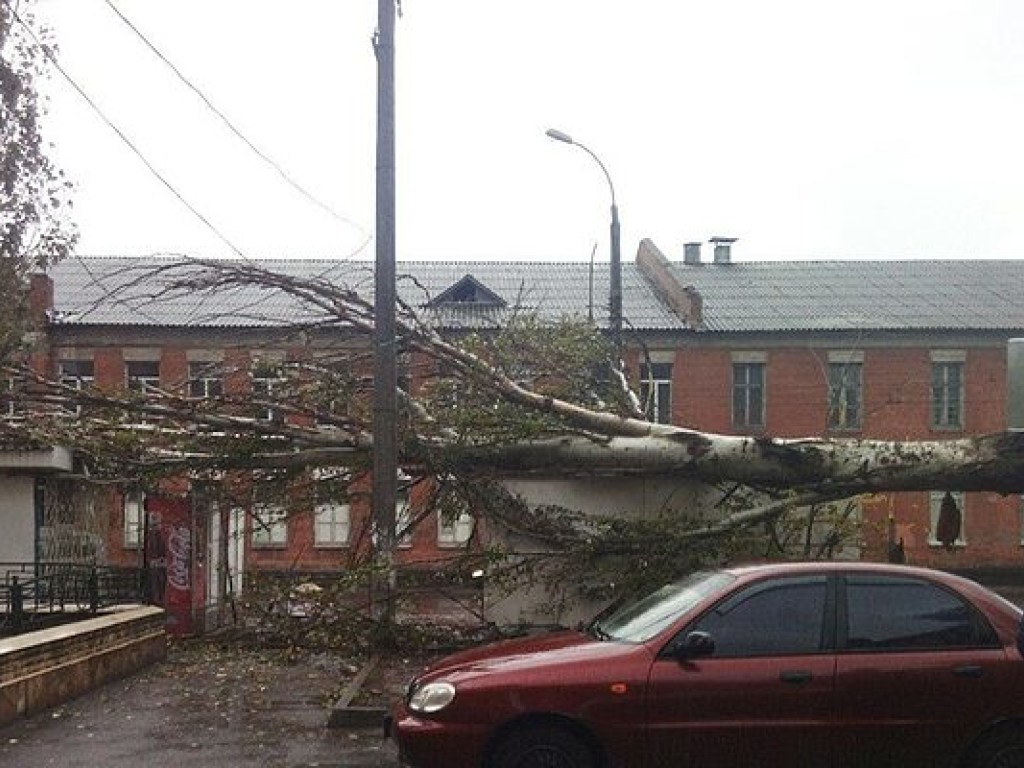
{"x": 385, "y": 369}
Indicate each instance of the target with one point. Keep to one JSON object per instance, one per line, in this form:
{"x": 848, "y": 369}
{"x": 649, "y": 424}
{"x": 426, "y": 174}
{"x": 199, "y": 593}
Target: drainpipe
{"x": 1015, "y": 385}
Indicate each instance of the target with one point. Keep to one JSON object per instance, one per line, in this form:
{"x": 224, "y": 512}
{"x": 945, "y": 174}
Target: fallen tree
{"x": 520, "y": 397}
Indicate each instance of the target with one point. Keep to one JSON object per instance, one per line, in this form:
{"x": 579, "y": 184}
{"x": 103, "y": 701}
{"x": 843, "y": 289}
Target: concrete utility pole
{"x": 385, "y": 369}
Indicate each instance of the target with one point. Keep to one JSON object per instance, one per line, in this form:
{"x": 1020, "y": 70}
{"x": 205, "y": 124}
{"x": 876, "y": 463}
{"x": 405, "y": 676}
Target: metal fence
{"x": 37, "y": 595}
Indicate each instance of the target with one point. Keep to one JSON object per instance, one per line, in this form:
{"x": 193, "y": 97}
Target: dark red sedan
{"x": 810, "y": 664}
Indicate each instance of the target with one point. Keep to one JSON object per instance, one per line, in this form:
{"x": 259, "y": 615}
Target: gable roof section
{"x": 127, "y": 291}
{"x": 468, "y": 291}
{"x": 858, "y": 295}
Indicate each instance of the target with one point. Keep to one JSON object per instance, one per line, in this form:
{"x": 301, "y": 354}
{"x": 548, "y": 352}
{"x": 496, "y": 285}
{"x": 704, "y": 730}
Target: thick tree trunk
{"x": 992, "y": 462}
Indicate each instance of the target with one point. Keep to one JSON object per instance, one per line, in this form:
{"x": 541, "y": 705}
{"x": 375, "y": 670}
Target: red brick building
{"x": 892, "y": 350}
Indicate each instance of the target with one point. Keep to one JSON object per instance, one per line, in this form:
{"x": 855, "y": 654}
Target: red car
{"x": 809, "y": 664}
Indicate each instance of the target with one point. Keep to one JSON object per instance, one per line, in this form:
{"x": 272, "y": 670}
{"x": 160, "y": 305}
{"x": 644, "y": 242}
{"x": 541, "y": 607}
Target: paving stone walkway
{"x": 210, "y": 705}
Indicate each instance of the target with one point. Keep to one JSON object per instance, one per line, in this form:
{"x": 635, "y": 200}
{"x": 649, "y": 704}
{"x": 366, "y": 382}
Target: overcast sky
{"x": 805, "y": 128}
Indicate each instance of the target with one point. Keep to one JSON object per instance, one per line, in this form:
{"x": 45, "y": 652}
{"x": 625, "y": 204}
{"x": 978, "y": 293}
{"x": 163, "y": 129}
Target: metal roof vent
{"x": 723, "y": 249}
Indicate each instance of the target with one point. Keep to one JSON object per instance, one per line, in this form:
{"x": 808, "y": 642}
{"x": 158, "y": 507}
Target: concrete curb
{"x": 345, "y": 715}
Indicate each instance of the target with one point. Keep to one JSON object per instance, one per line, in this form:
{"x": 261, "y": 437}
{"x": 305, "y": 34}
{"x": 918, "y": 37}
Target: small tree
{"x": 34, "y": 193}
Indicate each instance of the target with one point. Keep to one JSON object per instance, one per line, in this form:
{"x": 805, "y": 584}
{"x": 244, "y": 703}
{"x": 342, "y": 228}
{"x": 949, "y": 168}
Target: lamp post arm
{"x": 607, "y": 176}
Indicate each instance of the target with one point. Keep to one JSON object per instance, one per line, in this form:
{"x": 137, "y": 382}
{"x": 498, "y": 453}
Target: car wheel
{"x": 1002, "y": 750}
{"x": 542, "y": 747}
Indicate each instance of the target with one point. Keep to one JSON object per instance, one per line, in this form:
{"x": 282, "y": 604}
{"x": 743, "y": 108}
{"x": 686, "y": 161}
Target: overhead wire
{"x": 236, "y": 131}
{"x": 48, "y": 53}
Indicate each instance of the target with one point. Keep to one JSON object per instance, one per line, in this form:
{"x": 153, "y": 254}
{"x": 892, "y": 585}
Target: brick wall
{"x": 42, "y": 669}
{"x": 896, "y": 391}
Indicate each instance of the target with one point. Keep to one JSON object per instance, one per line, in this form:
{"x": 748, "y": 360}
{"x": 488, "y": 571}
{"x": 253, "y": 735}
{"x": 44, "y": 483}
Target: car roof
{"x": 753, "y": 570}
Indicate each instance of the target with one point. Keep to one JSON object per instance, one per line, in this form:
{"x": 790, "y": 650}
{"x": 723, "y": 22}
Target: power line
{"x": 48, "y": 53}
{"x": 235, "y": 130}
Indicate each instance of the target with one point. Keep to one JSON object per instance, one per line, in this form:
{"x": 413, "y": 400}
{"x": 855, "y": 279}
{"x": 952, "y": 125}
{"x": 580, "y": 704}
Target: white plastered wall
{"x": 17, "y": 519}
{"x": 613, "y": 495}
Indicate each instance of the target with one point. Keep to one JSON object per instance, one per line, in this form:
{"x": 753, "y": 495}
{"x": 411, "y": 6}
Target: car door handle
{"x": 795, "y": 676}
{"x": 968, "y": 670}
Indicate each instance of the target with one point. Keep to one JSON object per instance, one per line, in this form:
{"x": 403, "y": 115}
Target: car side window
{"x": 775, "y": 618}
{"x": 894, "y": 613}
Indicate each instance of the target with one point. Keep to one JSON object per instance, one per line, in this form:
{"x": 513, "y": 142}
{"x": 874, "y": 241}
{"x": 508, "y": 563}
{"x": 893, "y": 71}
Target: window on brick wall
{"x": 947, "y": 391}
{"x": 845, "y": 395}
{"x": 11, "y": 385}
{"x": 142, "y": 376}
{"x": 748, "y": 384}
{"x": 264, "y": 387}
{"x": 403, "y": 518}
{"x": 269, "y": 526}
{"x": 454, "y": 532}
{"x": 656, "y": 391}
{"x": 78, "y": 375}
{"x": 1020, "y": 514}
{"x": 335, "y": 388}
{"x": 133, "y": 522}
{"x": 332, "y": 525}
{"x": 935, "y": 503}
{"x": 205, "y": 380}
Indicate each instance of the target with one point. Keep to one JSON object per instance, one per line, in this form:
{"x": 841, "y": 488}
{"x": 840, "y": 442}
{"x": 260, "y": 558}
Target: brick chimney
{"x": 40, "y": 298}
{"x": 723, "y": 249}
{"x": 685, "y": 301}
{"x": 691, "y": 253}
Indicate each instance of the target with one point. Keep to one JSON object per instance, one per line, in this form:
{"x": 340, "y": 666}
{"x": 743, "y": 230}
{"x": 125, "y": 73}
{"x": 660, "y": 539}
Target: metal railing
{"x": 37, "y": 595}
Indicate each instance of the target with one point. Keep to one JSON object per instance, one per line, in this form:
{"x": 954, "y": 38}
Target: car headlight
{"x": 432, "y": 697}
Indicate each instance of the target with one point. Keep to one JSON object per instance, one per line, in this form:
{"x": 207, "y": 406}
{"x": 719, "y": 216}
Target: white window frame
{"x": 1020, "y": 516}
{"x": 205, "y": 379}
{"x": 656, "y": 390}
{"x": 946, "y": 360}
{"x": 78, "y": 381}
{"x": 134, "y": 519}
{"x": 11, "y": 384}
{"x": 838, "y": 396}
{"x": 332, "y": 525}
{"x": 141, "y": 382}
{"x": 269, "y": 526}
{"x": 746, "y": 360}
{"x": 934, "y": 505}
{"x": 263, "y": 388}
{"x": 403, "y": 518}
{"x": 454, "y": 532}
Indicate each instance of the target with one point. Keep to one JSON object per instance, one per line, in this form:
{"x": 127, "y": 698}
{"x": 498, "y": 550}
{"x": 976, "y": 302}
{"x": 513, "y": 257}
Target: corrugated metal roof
{"x": 737, "y": 297}
{"x": 128, "y": 291}
{"x": 858, "y": 295}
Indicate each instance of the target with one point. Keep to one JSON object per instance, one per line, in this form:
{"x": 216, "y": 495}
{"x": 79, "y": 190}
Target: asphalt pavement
{"x": 205, "y": 706}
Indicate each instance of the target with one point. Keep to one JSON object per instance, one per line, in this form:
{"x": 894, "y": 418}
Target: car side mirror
{"x": 695, "y": 645}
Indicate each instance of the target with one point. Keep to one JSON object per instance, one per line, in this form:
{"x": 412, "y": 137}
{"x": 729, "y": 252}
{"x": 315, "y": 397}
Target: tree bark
{"x": 993, "y": 462}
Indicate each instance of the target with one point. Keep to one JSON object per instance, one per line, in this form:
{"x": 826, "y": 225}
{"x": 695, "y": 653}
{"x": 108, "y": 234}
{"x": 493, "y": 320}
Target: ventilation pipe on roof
{"x": 691, "y": 253}
{"x": 1015, "y": 384}
{"x": 723, "y": 249}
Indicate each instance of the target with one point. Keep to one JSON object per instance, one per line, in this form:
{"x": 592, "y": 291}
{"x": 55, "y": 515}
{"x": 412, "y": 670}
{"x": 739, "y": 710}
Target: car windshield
{"x": 642, "y": 620}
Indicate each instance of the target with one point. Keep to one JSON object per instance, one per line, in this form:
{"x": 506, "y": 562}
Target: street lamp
{"x": 615, "y": 290}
